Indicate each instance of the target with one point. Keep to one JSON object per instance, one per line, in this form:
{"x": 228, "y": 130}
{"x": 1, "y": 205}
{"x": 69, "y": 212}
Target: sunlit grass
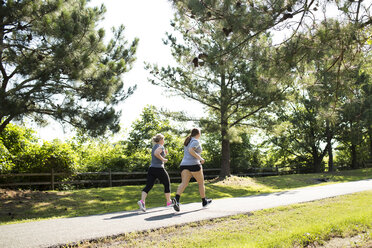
{"x": 28, "y": 205}
{"x": 297, "y": 225}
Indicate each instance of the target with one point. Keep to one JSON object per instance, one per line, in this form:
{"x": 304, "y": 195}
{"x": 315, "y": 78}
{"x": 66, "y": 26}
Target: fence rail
{"x": 111, "y": 177}
{"x": 70, "y": 178}
{"x": 109, "y": 181}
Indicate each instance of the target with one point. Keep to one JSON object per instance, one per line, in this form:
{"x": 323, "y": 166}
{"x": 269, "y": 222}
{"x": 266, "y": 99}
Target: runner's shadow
{"x": 291, "y": 192}
{"x": 167, "y": 216}
{"x": 132, "y": 214}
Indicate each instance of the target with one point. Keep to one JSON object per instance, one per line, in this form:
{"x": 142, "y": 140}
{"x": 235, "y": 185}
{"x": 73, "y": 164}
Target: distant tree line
{"x": 22, "y": 152}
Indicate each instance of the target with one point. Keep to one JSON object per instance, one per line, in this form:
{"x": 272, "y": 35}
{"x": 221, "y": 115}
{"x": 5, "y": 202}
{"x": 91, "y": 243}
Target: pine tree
{"x": 234, "y": 86}
{"x": 54, "y": 62}
{"x": 252, "y": 18}
{"x": 327, "y": 103}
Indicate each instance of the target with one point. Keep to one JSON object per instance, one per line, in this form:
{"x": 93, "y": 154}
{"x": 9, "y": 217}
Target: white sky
{"x": 148, "y": 20}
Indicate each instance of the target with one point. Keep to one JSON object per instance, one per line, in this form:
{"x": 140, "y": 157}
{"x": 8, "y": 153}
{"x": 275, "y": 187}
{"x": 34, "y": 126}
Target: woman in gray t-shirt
{"x": 157, "y": 170}
{"x": 191, "y": 166}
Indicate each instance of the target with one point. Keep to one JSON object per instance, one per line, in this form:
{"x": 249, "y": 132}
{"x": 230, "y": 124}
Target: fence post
{"x": 52, "y": 178}
{"x": 110, "y": 178}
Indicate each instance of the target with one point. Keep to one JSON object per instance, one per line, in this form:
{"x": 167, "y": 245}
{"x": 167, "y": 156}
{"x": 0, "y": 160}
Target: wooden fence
{"x": 132, "y": 178}
{"x": 109, "y": 180}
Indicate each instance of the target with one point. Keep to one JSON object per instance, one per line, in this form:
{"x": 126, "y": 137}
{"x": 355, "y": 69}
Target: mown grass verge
{"x": 300, "y": 225}
{"x": 21, "y": 206}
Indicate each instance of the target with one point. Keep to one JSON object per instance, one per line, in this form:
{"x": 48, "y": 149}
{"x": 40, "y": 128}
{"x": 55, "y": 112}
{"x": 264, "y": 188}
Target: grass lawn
{"x": 20, "y": 206}
{"x": 310, "y": 224}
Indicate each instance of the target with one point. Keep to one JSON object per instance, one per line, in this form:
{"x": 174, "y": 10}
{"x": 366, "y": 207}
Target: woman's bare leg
{"x": 199, "y": 177}
{"x": 186, "y": 176}
{"x": 143, "y": 196}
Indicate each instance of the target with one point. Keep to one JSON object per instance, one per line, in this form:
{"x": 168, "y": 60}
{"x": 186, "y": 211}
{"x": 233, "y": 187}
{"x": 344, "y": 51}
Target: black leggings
{"x": 154, "y": 173}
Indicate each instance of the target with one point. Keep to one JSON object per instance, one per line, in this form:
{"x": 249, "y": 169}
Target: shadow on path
{"x": 285, "y": 193}
{"x": 167, "y": 216}
{"x": 135, "y": 213}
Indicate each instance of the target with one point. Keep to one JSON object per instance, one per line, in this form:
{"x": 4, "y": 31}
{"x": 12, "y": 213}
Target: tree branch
{"x": 6, "y": 122}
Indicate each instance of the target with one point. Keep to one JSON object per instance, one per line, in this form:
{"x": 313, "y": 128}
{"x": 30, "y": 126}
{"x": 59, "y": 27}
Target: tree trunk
{"x": 330, "y": 158}
{"x": 225, "y": 148}
{"x": 353, "y": 147}
{"x": 330, "y": 150}
{"x": 225, "y": 151}
{"x": 354, "y": 160}
{"x": 316, "y": 166}
{"x": 225, "y": 158}
{"x": 5, "y": 123}
{"x": 317, "y": 160}
{"x": 370, "y": 143}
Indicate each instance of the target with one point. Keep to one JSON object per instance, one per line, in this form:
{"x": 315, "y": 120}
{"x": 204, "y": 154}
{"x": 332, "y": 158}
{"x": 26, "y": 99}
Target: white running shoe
{"x": 141, "y": 205}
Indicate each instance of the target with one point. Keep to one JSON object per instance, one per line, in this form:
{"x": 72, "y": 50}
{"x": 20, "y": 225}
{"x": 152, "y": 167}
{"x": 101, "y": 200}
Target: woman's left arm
{"x": 157, "y": 154}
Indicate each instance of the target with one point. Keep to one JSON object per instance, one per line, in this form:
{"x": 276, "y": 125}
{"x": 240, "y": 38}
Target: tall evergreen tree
{"x": 252, "y": 18}
{"x": 366, "y": 100}
{"x": 233, "y": 86}
{"x": 303, "y": 135}
{"x": 367, "y": 113}
{"x": 54, "y": 62}
{"x": 327, "y": 95}
{"x": 354, "y": 118}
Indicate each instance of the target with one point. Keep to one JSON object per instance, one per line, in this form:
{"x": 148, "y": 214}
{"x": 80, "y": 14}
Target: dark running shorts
{"x": 193, "y": 168}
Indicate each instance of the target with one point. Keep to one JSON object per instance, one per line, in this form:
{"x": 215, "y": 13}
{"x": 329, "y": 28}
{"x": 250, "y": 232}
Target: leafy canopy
{"x": 54, "y": 62}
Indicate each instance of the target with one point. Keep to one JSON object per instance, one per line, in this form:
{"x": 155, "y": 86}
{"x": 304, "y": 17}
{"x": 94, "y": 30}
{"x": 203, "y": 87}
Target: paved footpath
{"x": 55, "y": 232}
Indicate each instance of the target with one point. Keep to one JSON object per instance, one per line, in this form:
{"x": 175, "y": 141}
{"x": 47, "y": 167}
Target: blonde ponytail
{"x": 157, "y": 138}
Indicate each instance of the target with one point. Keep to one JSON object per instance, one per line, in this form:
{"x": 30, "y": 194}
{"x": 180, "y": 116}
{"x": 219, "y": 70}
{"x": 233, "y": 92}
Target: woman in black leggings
{"x": 157, "y": 170}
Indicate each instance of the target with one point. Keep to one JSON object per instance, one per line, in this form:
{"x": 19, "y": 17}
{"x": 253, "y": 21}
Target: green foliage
{"x": 355, "y": 143}
{"x": 50, "y": 155}
{"x": 326, "y": 100}
{"x": 13, "y": 141}
{"x": 212, "y": 149}
{"x": 249, "y": 19}
{"x": 5, "y": 159}
{"x": 95, "y": 155}
{"x": 143, "y": 129}
{"x": 243, "y": 154}
{"x": 232, "y": 86}
{"x": 16, "y": 138}
{"x": 55, "y": 63}
{"x": 139, "y": 144}
{"x": 344, "y": 154}
{"x": 21, "y": 153}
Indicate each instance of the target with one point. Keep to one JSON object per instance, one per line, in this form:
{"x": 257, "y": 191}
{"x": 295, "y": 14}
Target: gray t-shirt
{"x": 155, "y": 162}
{"x": 189, "y": 159}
